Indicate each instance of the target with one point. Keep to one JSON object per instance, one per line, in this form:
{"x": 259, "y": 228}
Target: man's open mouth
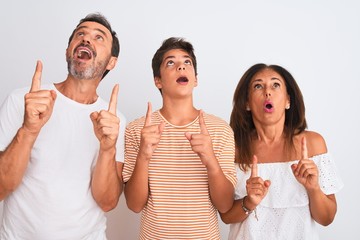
{"x": 84, "y": 52}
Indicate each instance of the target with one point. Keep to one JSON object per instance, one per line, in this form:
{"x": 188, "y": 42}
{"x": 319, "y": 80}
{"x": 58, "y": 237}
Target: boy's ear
{"x": 157, "y": 82}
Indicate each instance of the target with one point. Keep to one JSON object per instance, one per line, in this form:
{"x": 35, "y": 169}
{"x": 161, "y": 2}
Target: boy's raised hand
{"x": 150, "y": 135}
{"x": 201, "y": 143}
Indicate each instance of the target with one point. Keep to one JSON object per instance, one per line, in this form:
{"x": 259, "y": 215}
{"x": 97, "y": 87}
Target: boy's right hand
{"x": 150, "y": 135}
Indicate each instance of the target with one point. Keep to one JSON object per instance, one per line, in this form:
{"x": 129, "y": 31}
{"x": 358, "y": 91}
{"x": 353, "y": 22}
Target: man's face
{"x": 89, "y": 52}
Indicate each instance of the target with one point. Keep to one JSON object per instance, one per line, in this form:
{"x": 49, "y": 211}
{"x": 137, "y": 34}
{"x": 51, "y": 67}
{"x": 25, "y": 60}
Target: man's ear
{"x": 112, "y": 63}
{"x": 66, "y": 53}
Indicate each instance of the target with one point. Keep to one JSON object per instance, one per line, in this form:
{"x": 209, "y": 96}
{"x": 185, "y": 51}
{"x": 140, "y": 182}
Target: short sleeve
{"x": 132, "y": 145}
{"x": 227, "y": 156}
{"x": 329, "y": 178}
{"x": 120, "y": 145}
{"x": 222, "y": 137}
{"x": 11, "y": 117}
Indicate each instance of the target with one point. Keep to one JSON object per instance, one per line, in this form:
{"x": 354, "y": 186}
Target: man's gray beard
{"x": 90, "y": 72}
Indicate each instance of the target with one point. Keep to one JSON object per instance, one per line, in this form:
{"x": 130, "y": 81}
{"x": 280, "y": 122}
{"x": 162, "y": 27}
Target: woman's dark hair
{"x": 241, "y": 120}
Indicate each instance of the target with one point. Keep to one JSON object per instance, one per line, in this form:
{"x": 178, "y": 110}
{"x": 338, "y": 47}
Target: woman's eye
{"x": 276, "y": 85}
{"x": 257, "y": 86}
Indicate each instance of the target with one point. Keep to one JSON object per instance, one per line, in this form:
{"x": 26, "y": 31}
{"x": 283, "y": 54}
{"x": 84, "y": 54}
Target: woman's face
{"x": 268, "y": 97}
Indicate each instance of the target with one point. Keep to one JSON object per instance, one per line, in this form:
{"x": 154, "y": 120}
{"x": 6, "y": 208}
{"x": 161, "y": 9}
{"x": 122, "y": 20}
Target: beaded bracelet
{"x": 246, "y": 210}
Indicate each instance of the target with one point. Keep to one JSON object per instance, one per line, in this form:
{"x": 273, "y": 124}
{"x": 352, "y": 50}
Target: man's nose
{"x": 86, "y": 39}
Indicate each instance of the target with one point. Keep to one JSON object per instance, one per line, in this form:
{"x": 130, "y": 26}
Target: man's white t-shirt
{"x": 54, "y": 199}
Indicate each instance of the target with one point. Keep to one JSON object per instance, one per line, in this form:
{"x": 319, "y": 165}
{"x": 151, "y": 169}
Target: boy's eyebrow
{"x": 168, "y": 57}
{"x": 171, "y": 56}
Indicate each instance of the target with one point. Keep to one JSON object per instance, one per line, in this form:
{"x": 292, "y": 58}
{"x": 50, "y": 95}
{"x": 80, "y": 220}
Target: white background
{"x": 317, "y": 41}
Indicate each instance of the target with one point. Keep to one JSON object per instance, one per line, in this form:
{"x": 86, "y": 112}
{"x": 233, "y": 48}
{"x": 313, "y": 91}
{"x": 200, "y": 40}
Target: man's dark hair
{"x": 99, "y": 18}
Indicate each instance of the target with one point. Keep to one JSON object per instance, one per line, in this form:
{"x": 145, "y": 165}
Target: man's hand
{"x": 106, "y": 122}
{"x": 39, "y": 104}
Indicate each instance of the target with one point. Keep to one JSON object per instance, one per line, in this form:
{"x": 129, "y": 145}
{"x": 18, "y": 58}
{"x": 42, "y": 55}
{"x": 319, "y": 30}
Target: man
{"x": 179, "y": 161}
{"x": 58, "y": 169}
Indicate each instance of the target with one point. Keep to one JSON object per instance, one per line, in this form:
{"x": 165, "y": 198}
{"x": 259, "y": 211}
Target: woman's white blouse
{"x": 284, "y": 213}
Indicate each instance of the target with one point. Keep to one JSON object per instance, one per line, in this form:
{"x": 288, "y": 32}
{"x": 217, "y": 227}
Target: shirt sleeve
{"x": 223, "y": 145}
{"x": 11, "y": 117}
{"x": 132, "y": 144}
{"x": 120, "y": 144}
{"x": 329, "y": 179}
{"x": 227, "y": 156}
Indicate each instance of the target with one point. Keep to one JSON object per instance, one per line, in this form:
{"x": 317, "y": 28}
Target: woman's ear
{"x": 287, "y": 106}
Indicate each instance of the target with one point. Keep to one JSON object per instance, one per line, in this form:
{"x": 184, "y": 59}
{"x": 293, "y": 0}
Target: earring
{"x": 287, "y": 106}
{"x": 247, "y": 108}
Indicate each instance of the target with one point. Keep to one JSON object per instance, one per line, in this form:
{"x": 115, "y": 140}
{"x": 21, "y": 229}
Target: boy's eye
{"x": 170, "y": 63}
{"x": 188, "y": 62}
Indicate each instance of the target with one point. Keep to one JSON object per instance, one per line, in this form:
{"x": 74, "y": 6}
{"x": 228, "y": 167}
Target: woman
{"x": 286, "y": 178}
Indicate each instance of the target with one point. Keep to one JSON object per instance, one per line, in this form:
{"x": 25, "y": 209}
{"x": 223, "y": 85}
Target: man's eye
{"x": 98, "y": 37}
{"x": 80, "y": 34}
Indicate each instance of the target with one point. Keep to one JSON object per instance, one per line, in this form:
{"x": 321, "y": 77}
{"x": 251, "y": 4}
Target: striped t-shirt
{"x": 179, "y": 204}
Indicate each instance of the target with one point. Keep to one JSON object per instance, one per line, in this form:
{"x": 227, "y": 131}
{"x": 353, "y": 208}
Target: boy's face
{"x": 177, "y": 74}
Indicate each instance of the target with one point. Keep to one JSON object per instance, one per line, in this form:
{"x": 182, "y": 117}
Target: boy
{"x": 179, "y": 161}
